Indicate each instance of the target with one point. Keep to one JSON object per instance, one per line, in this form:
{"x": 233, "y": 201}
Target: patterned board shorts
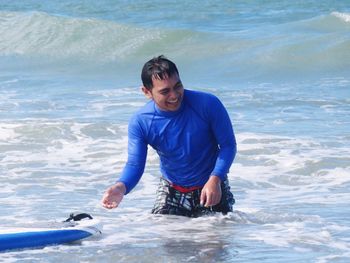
{"x": 173, "y": 202}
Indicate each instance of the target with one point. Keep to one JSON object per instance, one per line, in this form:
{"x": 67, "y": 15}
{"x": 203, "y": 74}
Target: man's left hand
{"x": 211, "y": 192}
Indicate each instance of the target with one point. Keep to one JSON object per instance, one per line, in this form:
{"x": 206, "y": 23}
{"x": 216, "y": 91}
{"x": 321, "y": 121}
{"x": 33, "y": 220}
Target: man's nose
{"x": 173, "y": 94}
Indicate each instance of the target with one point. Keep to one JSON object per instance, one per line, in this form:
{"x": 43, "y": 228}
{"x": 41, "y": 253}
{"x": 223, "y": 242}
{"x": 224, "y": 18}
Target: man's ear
{"x": 147, "y": 92}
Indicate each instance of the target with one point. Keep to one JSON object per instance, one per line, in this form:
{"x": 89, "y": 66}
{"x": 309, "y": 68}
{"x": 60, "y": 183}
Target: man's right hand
{"x": 113, "y": 196}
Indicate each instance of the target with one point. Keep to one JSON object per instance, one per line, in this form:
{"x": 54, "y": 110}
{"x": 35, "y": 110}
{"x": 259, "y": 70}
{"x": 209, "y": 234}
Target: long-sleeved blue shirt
{"x": 193, "y": 142}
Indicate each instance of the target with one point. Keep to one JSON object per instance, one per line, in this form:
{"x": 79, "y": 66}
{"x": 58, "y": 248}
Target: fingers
{"x": 203, "y": 198}
{"x": 210, "y": 198}
{"x": 107, "y": 203}
{"x": 217, "y": 199}
{"x": 113, "y": 196}
{"x": 211, "y": 192}
{"x": 110, "y": 200}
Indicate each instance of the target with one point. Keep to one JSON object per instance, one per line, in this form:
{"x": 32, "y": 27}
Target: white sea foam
{"x": 343, "y": 16}
{"x": 116, "y": 92}
{"x": 284, "y": 171}
{"x": 7, "y": 132}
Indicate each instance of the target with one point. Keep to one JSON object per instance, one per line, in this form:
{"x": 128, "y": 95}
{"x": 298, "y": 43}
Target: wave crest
{"x": 38, "y": 33}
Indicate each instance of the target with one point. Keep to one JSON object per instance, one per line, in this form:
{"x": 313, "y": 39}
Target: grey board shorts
{"x": 173, "y": 202}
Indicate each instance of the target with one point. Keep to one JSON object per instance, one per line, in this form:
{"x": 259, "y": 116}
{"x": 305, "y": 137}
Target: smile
{"x": 174, "y": 101}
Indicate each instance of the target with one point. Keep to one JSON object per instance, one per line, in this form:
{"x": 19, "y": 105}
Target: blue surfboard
{"x": 65, "y": 232}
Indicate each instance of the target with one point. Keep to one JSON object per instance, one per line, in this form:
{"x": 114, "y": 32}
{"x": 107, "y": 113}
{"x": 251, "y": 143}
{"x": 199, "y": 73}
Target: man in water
{"x": 193, "y": 136}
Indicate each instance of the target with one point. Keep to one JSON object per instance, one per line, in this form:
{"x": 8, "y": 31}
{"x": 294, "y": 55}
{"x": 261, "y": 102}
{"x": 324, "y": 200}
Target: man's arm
{"x": 223, "y": 131}
{"x": 133, "y": 170}
{"x": 224, "y": 134}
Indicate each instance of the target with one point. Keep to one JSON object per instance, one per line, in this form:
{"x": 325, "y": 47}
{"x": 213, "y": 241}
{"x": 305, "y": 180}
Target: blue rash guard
{"x": 193, "y": 142}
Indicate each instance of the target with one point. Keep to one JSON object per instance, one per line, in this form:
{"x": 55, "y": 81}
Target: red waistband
{"x": 185, "y": 190}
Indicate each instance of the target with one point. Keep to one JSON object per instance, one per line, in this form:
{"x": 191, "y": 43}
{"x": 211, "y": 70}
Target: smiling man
{"x": 193, "y": 136}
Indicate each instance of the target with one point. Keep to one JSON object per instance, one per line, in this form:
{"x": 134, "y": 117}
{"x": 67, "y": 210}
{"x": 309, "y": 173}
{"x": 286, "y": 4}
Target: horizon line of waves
{"x": 320, "y": 44}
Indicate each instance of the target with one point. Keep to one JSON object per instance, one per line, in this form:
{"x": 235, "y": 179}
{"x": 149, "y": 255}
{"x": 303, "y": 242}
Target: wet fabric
{"x": 197, "y": 139}
{"x": 173, "y": 202}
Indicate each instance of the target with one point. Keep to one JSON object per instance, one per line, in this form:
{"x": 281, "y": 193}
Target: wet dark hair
{"x": 159, "y": 68}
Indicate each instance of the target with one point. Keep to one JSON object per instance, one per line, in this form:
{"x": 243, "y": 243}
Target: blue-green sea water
{"x": 70, "y": 80}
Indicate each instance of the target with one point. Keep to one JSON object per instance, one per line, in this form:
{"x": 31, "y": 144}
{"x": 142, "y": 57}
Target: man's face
{"x": 167, "y": 93}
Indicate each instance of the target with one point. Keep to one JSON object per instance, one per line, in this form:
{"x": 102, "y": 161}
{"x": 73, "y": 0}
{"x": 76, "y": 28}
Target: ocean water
{"x": 69, "y": 82}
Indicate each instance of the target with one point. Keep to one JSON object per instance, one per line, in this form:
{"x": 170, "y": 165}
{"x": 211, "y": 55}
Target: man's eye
{"x": 178, "y": 87}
